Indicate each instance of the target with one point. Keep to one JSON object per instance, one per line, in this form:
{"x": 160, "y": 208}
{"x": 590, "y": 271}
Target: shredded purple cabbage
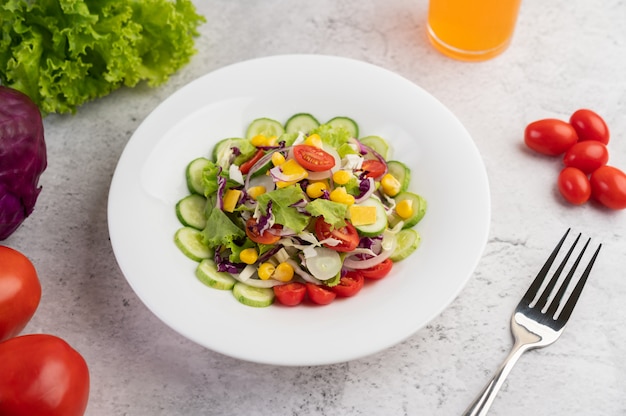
{"x": 263, "y": 222}
{"x": 221, "y": 188}
{"x": 225, "y": 265}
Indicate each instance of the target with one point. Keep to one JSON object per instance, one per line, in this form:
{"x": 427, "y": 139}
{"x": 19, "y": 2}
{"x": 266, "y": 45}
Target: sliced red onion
{"x": 389, "y": 246}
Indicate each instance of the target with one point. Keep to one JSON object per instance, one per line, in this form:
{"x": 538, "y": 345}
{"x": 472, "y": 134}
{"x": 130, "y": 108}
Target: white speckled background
{"x": 565, "y": 55}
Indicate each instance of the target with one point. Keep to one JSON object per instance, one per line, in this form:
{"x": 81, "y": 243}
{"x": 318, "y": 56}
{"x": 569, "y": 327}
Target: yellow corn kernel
{"x": 314, "y": 140}
{"x": 284, "y": 272}
{"x": 255, "y": 191}
{"x": 362, "y": 215}
{"x": 391, "y": 186}
{"x": 340, "y": 195}
{"x": 404, "y": 208}
{"x": 278, "y": 158}
{"x": 342, "y": 177}
{"x": 316, "y": 189}
{"x": 249, "y": 255}
{"x": 231, "y": 197}
{"x": 266, "y": 270}
{"x": 259, "y": 140}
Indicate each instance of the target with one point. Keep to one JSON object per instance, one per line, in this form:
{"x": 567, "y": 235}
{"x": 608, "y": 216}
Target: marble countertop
{"x": 565, "y": 55}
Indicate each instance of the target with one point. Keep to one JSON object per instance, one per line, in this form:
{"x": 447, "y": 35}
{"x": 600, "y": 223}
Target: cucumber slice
{"x": 419, "y": 209}
{"x": 222, "y": 153}
{"x": 401, "y": 172}
{"x": 407, "y": 241}
{"x": 190, "y": 211}
{"x": 194, "y": 175}
{"x": 376, "y": 228}
{"x": 190, "y": 242}
{"x": 378, "y": 144}
{"x": 258, "y": 297}
{"x": 301, "y": 122}
{"x": 347, "y": 123}
{"x": 207, "y": 273}
{"x": 265, "y": 126}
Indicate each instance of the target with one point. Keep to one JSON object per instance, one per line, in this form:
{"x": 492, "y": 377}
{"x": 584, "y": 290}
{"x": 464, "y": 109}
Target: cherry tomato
{"x": 373, "y": 168}
{"x": 574, "y": 185}
{"x": 319, "y": 295}
{"x": 268, "y": 237}
{"x": 550, "y": 136}
{"x": 247, "y": 165}
{"x": 313, "y": 158}
{"x": 608, "y": 186}
{"x": 20, "y": 292}
{"x": 347, "y": 235}
{"x": 290, "y": 294}
{"x": 589, "y": 126}
{"x": 379, "y": 271}
{"x": 349, "y": 285}
{"x": 42, "y": 375}
{"x": 586, "y": 156}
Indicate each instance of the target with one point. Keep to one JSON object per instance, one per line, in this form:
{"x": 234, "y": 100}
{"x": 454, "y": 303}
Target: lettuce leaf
{"x": 220, "y": 230}
{"x": 63, "y": 53}
{"x": 333, "y": 212}
{"x": 284, "y": 213}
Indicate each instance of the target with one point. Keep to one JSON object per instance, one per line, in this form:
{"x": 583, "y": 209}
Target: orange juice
{"x": 471, "y": 30}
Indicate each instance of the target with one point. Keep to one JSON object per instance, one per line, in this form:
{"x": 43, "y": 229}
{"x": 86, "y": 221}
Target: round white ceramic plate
{"x": 446, "y": 169}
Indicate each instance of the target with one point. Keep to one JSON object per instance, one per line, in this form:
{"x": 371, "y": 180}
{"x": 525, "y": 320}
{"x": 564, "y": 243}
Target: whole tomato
{"x": 589, "y": 126}
{"x": 42, "y": 375}
{"x": 608, "y": 186}
{"x": 550, "y": 136}
{"x": 574, "y": 186}
{"x": 20, "y": 292}
{"x": 586, "y": 156}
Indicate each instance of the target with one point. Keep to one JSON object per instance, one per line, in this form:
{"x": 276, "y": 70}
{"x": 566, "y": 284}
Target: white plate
{"x": 446, "y": 169}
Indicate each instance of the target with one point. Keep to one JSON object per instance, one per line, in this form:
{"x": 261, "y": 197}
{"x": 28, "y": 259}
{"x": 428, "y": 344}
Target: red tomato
{"x": 42, "y": 375}
{"x": 319, "y": 294}
{"x": 374, "y": 168}
{"x": 349, "y": 285}
{"x": 589, "y": 126}
{"x": 574, "y": 185}
{"x": 550, "y": 136}
{"x": 586, "y": 156}
{"x": 20, "y": 292}
{"x": 313, "y": 158}
{"x": 290, "y": 294}
{"x": 379, "y": 271}
{"x": 247, "y": 165}
{"x": 347, "y": 235}
{"x": 608, "y": 186}
{"x": 268, "y": 237}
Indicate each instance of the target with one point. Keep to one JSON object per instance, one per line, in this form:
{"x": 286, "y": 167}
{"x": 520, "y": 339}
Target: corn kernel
{"x": 255, "y": 191}
{"x": 259, "y": 140}
{"x": 266, "y": 270}
{"x": 340, "y": 195}
{"x": 404, "y": 208}
{"x": 342, "y": 177}
{"x": 284, "y": 272}
{"x": 249, "y": 255}
{"x": 391, "y": 186}
{"x": 314, "y": 140}
{"x": 316, "y": 189}
{"x": 278, "y": 158}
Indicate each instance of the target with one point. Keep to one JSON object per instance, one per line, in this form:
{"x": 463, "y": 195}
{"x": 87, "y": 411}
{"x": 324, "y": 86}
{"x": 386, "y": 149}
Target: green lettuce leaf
{"x": 334, "y": 213}
{"x": 282, "y": 201}
{"x": 220, "y": 230}
{"x": 334, "y": 136}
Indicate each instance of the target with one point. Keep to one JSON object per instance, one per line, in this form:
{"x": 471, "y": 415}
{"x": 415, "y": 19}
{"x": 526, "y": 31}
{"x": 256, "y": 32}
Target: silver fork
{"x": 537, "y": 324}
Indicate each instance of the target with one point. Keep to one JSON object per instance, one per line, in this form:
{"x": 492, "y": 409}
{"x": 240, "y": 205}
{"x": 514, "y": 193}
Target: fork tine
{"x": 556, "y": 300}
{"x": 536, "y": 285}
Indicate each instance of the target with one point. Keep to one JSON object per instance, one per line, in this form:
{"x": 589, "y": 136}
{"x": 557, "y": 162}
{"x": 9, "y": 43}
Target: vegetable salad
{"x": 297, "y": 211}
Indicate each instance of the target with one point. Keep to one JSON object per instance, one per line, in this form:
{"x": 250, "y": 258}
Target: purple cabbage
{"x": 23, "y": 158}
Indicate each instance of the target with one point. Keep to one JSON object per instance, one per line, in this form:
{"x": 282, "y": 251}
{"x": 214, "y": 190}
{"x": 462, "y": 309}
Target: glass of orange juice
{"x": 472, "y": 30}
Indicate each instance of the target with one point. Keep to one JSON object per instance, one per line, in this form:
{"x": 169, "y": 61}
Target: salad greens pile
{"x": 63, "y": 53}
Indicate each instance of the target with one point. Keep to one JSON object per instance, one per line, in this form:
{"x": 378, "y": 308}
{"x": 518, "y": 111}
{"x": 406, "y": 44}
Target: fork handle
{"x": 480, "y": 406}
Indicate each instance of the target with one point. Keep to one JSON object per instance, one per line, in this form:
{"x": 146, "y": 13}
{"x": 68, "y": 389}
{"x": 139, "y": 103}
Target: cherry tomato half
{"x": 608, "y": 186}
{"x": 574, "y": 185}
{"x": 586, "y": 156}
{"x": 313, "y": 158}
{"x": 319, "y": 295}
{"x": 20, "y": 292}
{"x": 589, "y": 126}
{"x": 347, "y": 235}
{"x": 379, "y": 271}
{"x": 550, "y": 136}
{"x": 373, "y": 168}
{"x": 247, "y": 165}
{"x": 268, "y": 237}
{"x": 42, "y": 375}
{"x": 290, "y": 294}
{"x": 349, "y": 285}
